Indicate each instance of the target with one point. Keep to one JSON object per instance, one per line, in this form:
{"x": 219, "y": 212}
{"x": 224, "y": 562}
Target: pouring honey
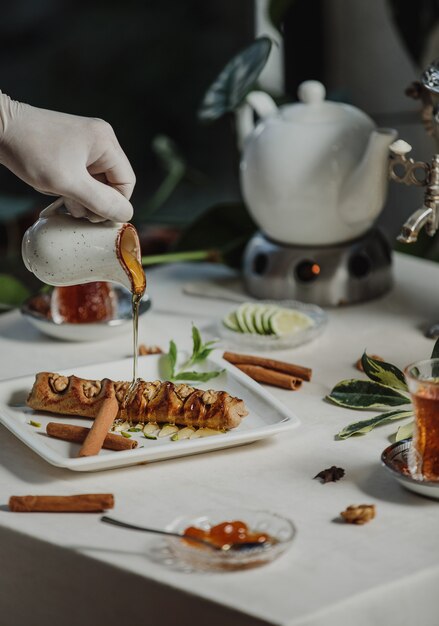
{"x": 130, "y": 259}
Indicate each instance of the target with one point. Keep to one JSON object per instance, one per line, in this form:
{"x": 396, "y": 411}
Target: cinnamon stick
{"x": 77, "y": 434}
{"x": 298, "y": 371}
{"x": 270, "y": 377}
{"x": 83, "y": 503}
{"x": 102, "y": 424}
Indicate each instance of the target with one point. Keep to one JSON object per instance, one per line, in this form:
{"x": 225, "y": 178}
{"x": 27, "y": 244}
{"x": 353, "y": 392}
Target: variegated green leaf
{"x": 235, "y": 81}
{"x": 365, "y": 426}
{"x": 365, "y": 394}
{"x": 383, "y": 372}
{"x": 405, "y": 431}
{"x": 435, "y": 353}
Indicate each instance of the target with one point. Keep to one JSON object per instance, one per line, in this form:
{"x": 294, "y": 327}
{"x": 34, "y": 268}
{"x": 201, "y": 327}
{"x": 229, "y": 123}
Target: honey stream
{"x": 138, "y": 282}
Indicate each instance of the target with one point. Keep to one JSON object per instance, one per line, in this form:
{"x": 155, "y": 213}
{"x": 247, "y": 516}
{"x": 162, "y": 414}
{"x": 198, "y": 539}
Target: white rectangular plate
{"x": 267, "y": 416}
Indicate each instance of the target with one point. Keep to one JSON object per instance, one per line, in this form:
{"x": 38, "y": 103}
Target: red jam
{"x": 226, "y": 533}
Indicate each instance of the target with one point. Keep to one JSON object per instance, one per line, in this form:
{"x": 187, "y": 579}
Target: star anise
{"x": 331, "y": 474}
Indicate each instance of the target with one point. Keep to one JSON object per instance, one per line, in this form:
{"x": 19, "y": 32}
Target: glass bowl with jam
{"x": 240, "y": 538}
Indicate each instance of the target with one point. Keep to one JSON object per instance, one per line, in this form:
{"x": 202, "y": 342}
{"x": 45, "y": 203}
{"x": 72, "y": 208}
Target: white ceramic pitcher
{"x": 62, "y": 250}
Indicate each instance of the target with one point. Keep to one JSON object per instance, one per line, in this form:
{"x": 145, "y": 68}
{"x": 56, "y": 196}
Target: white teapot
{"x": 312, "y": 173}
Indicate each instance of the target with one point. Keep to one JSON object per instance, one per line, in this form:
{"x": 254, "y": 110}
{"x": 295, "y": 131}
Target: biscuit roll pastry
{"x": 157, "y": 401}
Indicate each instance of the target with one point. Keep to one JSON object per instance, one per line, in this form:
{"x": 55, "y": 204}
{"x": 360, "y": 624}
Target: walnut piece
{"x": 144, "y": 350}
{"x": 91, "y": 388}
{"x": 58, "y": 383}
{"x": 359, "y": 513}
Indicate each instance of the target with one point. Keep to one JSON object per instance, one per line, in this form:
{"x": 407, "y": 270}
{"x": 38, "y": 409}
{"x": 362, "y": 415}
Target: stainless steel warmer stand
{"x": 332, "y": 275}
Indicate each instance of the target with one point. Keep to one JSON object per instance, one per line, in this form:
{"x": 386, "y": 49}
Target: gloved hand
{"x": 78, "y": 158}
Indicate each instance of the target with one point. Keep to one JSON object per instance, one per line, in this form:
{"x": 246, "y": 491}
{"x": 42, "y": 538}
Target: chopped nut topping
{"x": 209, "y": 397}
{"x": 121, "y": 389}
{"x": 150, "y": 389}
{"x": 120, "y": 426}
{"x": 359, "y": 513}
{"x": 58, "y": 383}
{"x": 120, "y": 395}
{"x": 183, "y": 391}
{"x": 91, "y": 388}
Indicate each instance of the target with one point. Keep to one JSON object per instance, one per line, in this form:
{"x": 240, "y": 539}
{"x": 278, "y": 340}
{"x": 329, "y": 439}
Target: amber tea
{"x": 423, "y": 383}
{"x": 83, "y": 304}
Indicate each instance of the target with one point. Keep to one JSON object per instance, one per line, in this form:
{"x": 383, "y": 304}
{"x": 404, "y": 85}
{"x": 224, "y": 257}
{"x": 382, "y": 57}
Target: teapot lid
{"x": 314, "y": 109}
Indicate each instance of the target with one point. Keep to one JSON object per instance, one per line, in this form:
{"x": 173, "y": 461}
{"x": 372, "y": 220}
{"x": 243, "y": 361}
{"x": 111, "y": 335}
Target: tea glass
{"x": 423, "y": 383}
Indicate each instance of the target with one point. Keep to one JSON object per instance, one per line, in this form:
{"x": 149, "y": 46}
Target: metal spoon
{"x": 236, "y": 547}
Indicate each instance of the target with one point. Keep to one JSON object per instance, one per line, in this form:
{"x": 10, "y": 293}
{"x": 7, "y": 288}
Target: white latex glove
{"x": 78, "y": 158}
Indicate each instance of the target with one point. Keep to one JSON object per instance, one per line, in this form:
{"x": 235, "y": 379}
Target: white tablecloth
{"x": 74, "y": 570}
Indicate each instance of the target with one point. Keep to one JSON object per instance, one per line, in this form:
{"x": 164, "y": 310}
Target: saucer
{"x": 96, "y": 331}
{"x": 252, "y": 341}
{"x": 281, "y": 529}
{"x": 395, "y": 459}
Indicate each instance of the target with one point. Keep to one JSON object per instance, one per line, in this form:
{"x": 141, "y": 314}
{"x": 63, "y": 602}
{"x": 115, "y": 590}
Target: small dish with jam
{"x": 257, "y": 537}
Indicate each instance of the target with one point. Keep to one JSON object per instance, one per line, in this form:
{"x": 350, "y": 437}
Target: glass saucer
{"x": 278, "y": 527}
{"x": 395, "y": 460}
{"x": 272, "y": 342}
